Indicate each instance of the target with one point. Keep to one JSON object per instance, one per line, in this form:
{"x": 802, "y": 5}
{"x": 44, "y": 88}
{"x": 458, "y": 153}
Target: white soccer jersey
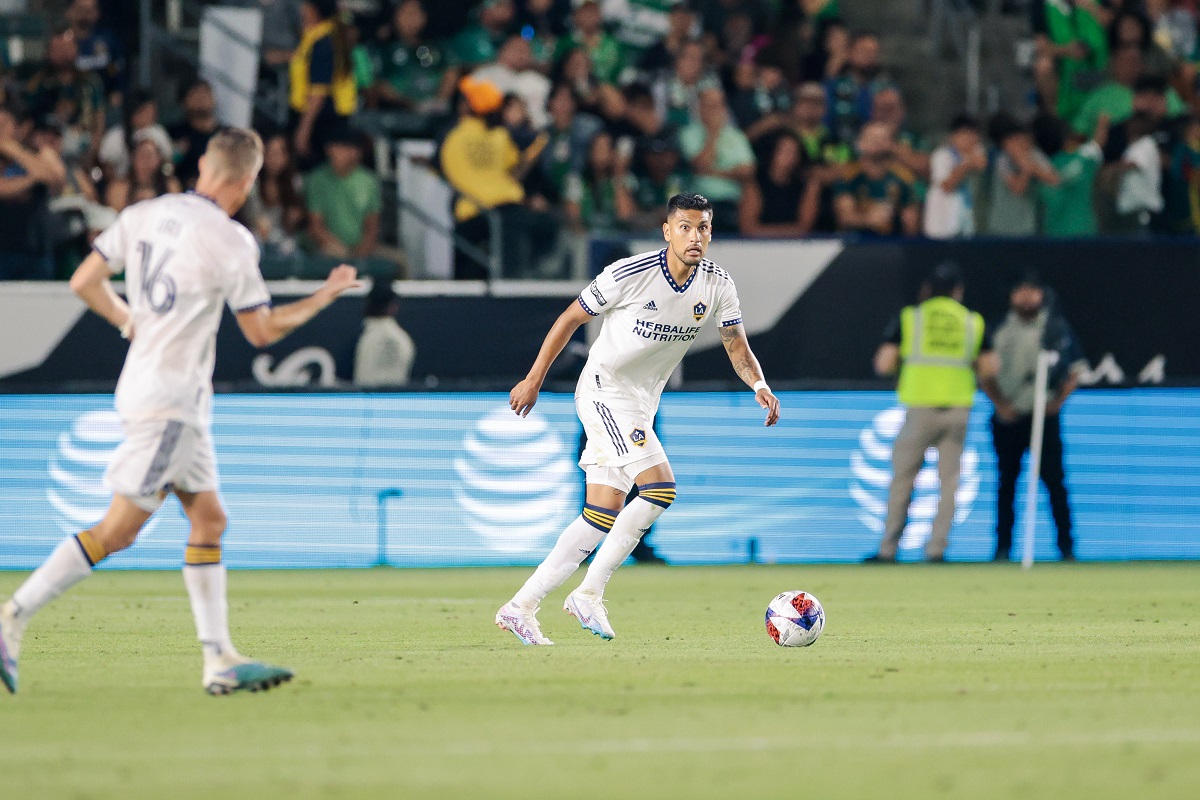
{"x": 650, "y": 322}
{"x": 183, "y": 259}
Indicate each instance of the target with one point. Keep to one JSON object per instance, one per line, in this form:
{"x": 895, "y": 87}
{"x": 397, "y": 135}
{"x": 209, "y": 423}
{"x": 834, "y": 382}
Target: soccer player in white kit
{"x": 184, "y": 259}
{"x": 654, "y": 304}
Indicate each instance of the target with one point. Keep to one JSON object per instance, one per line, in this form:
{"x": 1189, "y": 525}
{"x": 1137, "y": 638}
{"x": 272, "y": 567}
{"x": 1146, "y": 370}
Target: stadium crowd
{"x": 566, "y": 116}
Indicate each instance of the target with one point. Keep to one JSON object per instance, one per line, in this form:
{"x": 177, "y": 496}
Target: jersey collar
{"x": 209, "y": 198}
{"x": 662, "y": 263}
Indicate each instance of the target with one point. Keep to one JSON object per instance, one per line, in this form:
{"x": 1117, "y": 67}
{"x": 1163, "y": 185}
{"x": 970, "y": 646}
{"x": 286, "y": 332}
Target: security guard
{"x": 939, "y": 346}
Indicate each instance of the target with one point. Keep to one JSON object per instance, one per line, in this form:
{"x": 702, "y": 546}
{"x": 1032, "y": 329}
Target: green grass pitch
{"x": 1073, "y": 681}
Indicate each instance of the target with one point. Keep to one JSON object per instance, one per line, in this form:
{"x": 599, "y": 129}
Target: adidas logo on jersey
{"x": 650, "y": 306}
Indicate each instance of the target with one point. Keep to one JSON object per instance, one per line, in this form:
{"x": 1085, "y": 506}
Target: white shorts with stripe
{"x": 159, "y": 456}
{"x": 621, "y": 442}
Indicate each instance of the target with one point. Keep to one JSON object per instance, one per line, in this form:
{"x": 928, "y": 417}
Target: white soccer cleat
{"x": 522, "y": 623}
{"x": 11, "y": 631}
{"x": 589, "y": 609}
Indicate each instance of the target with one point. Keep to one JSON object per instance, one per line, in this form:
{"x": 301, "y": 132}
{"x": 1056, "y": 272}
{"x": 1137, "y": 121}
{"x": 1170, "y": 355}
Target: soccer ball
{"x": 795, "y": 619}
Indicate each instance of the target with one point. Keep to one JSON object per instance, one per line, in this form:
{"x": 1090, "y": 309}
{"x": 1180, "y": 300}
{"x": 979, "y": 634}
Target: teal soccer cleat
{"x": 249, "y": 676}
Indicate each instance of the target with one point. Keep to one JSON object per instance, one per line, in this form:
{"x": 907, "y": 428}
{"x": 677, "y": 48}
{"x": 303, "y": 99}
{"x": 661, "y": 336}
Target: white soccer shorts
{"x": 160, "y": 456}
{"x": 621, "y": 443}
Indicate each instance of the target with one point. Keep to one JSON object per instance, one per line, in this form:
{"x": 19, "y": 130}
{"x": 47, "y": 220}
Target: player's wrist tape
{"x": 759, "y": 386}
{"x": 127, "y": 328}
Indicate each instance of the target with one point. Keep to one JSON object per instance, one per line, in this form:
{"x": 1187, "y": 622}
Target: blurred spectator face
{"x": 875, "y": 149}
{"x": 712, "y": 108}
{"x": 1150, "y": 103}
{"x": 888, "y": 107}
{"x": 737, "y": 32}
{"x": 837, "y": 39}
{"x": 561, "y": 106}
{"x": 1027, "y": 300}
{"x": 145, "y": 115}
{"x": 200, "y": 102}
{"x": 497, "y": 14}
{"x": 1126, "y": 65}
{"x": 785, "y": 158}
{"x": 61, "y": 50}
{"x": 642, "y": 113}
{"x": 681, "y": 21}
{"x": 770, "y": 78}
{"x": 147, "y": 162}
{"x": 50, "y": 138}
{"x": 539, "y": 7}
{"x": 83, "y": 15}
{"x": 1129, "y": 31}
{"x": 660, "y": 163}
{"x": 343, "y": 157}
{"x": 864, "y": 55}
{"x": 588, "y": 20}
{"x": 577, "y": 67}
{"x": 1017, "y": 144}
{"x": 275, "y": 156}
{"x": 965, "y": 140}
{"x": 310, "y": 15}
{"x": 516, "y": 54}
{"x": 409, "y": 20}
{"x": 689, "y": 64}
{"x": 809, "y": 107}
{"x": 514, "y": 115}
{"x": 1192, "y": 133}
{"x": 601, "y": 156}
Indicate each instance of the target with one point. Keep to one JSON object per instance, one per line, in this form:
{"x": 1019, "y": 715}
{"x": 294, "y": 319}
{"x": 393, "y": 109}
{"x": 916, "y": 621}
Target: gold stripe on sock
{"x": 201, "y": 554}
{"x": 94, "y": 551}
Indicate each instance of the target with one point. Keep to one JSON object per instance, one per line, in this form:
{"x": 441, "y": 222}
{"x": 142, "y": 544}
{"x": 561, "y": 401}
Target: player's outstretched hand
{"x": 771, "y": 403}
{"x": 341, "y": 278}
{"x": 523, "y": 396}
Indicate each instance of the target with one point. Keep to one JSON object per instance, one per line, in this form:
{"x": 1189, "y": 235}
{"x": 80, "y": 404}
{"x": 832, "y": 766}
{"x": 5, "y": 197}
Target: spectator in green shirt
{"x": 1114, "y": 98}
{"x": 1072, "y": 51}
{"x": 1067, "y": 209}
{"x": 588, "y": 34}
{"x": 411, "y": 72}
{"x": 343, "y": 201}
{"x": 720, "y": 156}
{"x": 677, "y": 93}
{"x": 478, "y": 43}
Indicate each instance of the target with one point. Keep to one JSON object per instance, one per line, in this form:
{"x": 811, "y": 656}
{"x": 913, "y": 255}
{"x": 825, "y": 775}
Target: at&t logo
{"x": 517, "y": 482}
{"x": 871, "y": 465}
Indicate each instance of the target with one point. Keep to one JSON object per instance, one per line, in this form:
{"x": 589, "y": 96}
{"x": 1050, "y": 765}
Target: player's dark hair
{"x": 687, "y": 201}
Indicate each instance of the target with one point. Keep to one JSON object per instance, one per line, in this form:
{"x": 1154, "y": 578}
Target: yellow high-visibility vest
{"x": 939, "y": 342}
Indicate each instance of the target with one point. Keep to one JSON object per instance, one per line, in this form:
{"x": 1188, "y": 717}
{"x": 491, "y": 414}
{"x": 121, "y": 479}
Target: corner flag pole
{"x": 1046, "y": 358}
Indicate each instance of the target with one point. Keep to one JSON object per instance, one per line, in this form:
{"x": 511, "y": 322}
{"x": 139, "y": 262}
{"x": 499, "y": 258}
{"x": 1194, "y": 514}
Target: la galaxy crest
{"x": 699, "y": 310}
{"x": 638, "y": 437}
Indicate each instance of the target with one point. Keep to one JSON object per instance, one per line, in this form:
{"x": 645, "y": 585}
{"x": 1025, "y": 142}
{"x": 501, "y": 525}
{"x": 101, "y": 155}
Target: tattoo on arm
{"x": 744, "y": 362}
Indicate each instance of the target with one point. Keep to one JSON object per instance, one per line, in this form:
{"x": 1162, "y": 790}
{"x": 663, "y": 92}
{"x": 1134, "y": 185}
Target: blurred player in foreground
{"x": 183, "y": 258}
{"x": 654, "y": 306}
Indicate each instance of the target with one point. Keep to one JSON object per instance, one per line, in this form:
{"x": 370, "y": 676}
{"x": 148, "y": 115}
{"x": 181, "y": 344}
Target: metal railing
{"x": 165, "y": 40}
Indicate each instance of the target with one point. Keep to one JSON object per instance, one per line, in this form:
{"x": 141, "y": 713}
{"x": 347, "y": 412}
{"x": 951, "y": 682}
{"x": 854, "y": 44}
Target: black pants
{"x": 527, "y": 237}
{"x": 1011, "y": 440}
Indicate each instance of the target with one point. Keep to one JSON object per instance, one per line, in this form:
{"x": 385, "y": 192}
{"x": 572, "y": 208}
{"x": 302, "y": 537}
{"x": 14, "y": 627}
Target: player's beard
{"x": 691, "y": 258}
